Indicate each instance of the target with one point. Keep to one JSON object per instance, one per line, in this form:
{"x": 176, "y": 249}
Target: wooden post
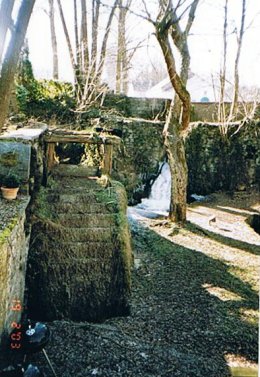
{"x": 50, "y": 156}
{"x": 107, "y": 159}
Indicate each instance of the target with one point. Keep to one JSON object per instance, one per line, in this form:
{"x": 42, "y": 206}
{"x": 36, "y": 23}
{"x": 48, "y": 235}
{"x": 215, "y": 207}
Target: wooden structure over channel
{"x": 82, "y": 137}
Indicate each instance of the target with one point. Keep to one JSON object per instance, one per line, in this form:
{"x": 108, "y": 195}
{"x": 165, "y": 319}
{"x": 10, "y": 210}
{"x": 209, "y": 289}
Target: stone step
{"x": 85, "y": 208}
{"x": 76, "y": 197}
{"x": 86, "y": 220}
{"x": 64, "y": 188}
{"x": 83, "y": 234}
{"x": 82, "y": 250}
{"x": 67, "y": 170}
{"x": 78, "y": 269}
{"x": 74, "y": 184}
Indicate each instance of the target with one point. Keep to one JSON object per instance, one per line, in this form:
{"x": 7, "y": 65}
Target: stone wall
{"x": 215, "y": 162}
{"x": 218, "y": 162}
{"x": 14, "y": 243}
{"x": 21, "y": 152}
{"x": 146, "y": 108}
{"x": 136, "y": 162}
{"x": 151, "y": 108}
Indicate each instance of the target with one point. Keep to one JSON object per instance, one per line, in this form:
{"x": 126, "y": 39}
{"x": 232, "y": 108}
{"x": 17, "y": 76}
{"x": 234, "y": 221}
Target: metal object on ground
{"x": 34, "y": 337}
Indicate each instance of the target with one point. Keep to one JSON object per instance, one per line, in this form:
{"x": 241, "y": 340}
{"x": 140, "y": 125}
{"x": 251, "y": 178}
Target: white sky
{"x": 205, "y": 42}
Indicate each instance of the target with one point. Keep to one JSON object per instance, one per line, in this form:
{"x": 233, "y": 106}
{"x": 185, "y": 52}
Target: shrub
{"x": 10, "y": 181}
{"x": 46, "y": 99}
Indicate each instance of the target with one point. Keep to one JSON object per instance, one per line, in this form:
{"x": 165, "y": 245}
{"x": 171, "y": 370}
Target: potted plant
{"x": 10, "y": 186}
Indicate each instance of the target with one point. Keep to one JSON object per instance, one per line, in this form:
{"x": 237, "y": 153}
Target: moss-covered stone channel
{"x": 80, "y": 254}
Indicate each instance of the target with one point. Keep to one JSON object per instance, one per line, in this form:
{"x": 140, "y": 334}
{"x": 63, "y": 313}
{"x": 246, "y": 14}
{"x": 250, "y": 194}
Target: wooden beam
{"x": 107, "y": 160}
{"x": 50, "y": 156}
{"x": 87, "y": 138}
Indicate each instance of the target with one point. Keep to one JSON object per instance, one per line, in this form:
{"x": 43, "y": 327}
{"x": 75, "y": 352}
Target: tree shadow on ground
{"x": 228, "y": 241}
{"x": 196, "y": 328}
{"x": 236, "y": 211}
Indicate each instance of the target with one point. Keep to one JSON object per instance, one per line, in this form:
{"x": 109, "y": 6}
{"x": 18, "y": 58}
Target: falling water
{"x": 159, "y": 199}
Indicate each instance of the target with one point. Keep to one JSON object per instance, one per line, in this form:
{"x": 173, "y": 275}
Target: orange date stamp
{"x": 16, "y": 335}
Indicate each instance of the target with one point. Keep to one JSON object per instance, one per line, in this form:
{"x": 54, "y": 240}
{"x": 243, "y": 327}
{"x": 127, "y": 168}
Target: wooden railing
{"x": 63, "y": 136}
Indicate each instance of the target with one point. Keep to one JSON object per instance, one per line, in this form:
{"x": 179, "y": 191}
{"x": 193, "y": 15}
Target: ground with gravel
{"x": 194, "y": 306}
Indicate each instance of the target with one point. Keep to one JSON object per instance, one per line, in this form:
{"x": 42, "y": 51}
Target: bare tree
{"x": 168, "y": 33}
{"x": 168, "y": 29}
{"x": 87, "y": 62}
{"x": 226, "y": 116}
{"x": 11, "y": 58}
{"x": 66, "y": 32}
{"x": 53, "y": 41}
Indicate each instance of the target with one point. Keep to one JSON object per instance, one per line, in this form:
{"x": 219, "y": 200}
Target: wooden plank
{"x": 50, "y": 156}
{"x": 107, "y": 160}
{"x": 81, "y": 138}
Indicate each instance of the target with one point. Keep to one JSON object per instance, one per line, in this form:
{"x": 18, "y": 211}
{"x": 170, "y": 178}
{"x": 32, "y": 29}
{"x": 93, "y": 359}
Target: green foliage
{"x": 43, "y": 208}
{"x": 94, "y": 154}
{"x": 1, "y": 179}
{"x": 11, "y": 180}
{"x": 46, "y": 99}
{"x": 5, "y": 234}
{"x": 9, "y": 159}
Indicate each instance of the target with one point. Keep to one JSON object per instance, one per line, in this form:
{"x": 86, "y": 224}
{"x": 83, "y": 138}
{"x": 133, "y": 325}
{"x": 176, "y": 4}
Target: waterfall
{"x": 159, "y": 199}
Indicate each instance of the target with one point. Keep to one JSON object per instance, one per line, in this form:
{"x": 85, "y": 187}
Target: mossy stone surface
{"x": 79, "y": 269}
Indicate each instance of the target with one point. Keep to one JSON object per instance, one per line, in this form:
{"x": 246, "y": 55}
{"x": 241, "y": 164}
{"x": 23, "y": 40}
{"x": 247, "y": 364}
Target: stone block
{"x": 15, "y": 158}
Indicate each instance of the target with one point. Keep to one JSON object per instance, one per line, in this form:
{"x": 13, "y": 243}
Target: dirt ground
{"x": 194, "y": 306}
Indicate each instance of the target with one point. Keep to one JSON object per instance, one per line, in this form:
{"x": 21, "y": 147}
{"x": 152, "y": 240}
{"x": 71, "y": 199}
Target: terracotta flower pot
{"x": 9, "y": 193}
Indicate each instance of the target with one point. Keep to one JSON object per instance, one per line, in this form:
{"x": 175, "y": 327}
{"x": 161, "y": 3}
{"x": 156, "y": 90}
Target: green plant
{"x": 11, "y": 181}
{"x": 1, "y": 179}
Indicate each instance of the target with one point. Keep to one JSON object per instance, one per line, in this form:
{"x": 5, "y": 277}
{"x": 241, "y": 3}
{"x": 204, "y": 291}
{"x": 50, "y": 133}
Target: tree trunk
{"x": 121, "y": 62}
{"x": 124, "y": 65}
{"x": 180, "y": 39}
{"x": 174, "y": 146}
{"x": 173, "y": 132}
{"x": 78, "y": 88}
{"x": 105, "y": 39}
{"x": 120, "y": 36}
{"x": 65, "y": 29}
{"x": 55, "y": 71}
{"x": 76, "y": 31}
{"x": 234, "y": 105}
{"x": 95, "y": 23}
{"x": 12, "y": 56}
{"x": 221, "y": 107}
{"x": 84, "y": 39}
{"x": 5, "y": 22}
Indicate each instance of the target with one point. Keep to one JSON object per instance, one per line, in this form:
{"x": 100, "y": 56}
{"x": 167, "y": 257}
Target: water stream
{"x": 159, "y": 199}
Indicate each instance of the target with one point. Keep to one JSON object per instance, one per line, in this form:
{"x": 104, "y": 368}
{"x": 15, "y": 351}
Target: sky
{"x": 205, "y": 41}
